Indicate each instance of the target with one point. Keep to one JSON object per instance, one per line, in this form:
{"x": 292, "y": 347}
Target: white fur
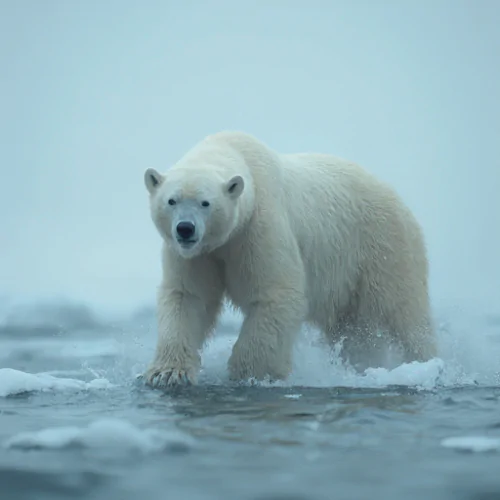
{"x": 288, "y": 239}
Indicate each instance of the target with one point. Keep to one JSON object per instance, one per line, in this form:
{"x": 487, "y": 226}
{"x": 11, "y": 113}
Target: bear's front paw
{"x": 169, "y": 377}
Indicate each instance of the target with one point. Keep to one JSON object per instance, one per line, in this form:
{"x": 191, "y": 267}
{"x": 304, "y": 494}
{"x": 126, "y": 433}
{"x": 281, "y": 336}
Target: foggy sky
{"x": 92, "y": 93}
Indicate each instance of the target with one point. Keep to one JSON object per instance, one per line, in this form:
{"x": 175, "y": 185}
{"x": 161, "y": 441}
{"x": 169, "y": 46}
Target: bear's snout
{"x": 185, "y": 230}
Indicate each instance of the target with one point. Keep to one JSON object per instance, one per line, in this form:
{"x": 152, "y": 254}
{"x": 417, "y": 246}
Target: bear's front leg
{"x": 184, "y": 321}
{"x": 265, "y": 344}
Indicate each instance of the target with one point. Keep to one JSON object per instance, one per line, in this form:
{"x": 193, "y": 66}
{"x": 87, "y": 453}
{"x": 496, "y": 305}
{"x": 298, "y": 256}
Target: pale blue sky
{"x": 93, "y": 92}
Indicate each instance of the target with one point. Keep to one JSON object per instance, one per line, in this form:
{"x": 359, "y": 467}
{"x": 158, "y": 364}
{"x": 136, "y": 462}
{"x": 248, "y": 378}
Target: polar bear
{"x": 288, "y": 239}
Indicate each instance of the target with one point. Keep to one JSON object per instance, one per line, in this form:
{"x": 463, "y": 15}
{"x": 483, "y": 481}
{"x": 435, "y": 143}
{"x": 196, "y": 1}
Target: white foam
{"x": 467, "y": 356}
{"x": 17, "y": 382}
{"x": 314, "y": 366}
{"x": 106, "y": 434}
{"x": 472, "y": 443}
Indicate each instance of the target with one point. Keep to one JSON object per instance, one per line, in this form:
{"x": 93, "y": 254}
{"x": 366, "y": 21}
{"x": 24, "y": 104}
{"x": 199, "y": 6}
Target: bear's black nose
{"x": 185, "y": 230}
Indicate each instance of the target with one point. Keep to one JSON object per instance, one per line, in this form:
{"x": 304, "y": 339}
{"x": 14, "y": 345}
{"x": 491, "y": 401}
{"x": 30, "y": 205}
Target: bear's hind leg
{"x": 418, "y": 341}
{"x": 361, "y": 347}
{"x": 397, "y": 323}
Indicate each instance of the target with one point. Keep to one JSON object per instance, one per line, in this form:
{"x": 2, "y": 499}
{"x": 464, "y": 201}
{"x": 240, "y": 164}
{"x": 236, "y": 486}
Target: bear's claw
{"x": 168, "y": 378}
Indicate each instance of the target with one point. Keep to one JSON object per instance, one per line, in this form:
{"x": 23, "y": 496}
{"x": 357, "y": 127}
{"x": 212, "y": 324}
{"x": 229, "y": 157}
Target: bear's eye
{"x": 205, "y": 204}
{"x": 171, "y": 202}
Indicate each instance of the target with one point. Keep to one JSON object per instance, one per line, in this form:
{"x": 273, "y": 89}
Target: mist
{"x": 93, "y": 93}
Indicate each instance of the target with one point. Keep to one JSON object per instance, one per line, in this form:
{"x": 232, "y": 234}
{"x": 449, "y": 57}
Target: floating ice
{"x": 293, "y": 396}
{"x": 420, "y": 375}
{"x": 17, "y": 382}
{"x": 472, "y": 443}
{"x": 106, "y": 434}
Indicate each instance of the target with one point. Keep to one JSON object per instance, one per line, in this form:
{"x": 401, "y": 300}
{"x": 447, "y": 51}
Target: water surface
{"x": 76, "y": 423}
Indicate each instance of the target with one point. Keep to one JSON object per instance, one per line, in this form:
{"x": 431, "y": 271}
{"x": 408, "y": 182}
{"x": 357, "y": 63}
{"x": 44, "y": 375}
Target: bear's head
{"x": 195, "y": 213}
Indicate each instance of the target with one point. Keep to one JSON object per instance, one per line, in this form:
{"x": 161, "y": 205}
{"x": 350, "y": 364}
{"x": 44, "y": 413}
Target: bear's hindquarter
{"x": 362, "y": 249}
{"x": 394, "y": 277}
{"x": 323, "y": 213}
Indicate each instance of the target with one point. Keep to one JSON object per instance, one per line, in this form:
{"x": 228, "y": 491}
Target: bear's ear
{"x": 152, "y": 179}
{"x": 234, "y": 186}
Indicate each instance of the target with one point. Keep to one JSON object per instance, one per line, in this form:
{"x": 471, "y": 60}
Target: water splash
{"x": 469, "y": 354}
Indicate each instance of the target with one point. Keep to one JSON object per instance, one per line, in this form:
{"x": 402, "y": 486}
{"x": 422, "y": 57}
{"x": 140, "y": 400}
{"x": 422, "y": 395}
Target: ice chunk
{"x": 16, "y": 382}
{"x": 108, "y": 434}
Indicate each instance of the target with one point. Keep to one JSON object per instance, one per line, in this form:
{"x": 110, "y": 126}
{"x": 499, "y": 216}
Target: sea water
{"x": 76, "y": 422}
